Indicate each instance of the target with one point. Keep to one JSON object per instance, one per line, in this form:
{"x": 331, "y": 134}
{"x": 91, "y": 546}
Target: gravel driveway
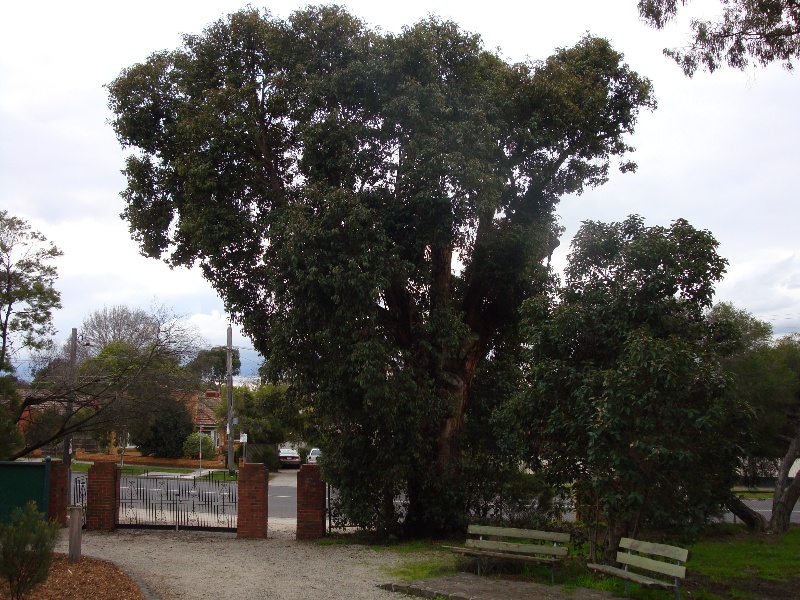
{"x": 170, "y": 565}
{"x": 197, "y": 565}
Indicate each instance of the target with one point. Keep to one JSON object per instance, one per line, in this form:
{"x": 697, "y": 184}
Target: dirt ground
{"x": 90, "y": 578}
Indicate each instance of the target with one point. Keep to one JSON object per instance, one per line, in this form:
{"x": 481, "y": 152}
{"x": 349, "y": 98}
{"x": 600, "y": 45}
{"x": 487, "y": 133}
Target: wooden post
{"x": 75, "y": 527}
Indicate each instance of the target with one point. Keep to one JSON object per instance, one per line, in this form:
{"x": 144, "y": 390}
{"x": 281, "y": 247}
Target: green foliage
{"x": 193, "y": 444}
{"x": 270, "y": 414}
{"x": 162, "y": 436}
{"x": 328, "y": 177}
{"x": 27, "y": 295}
{"x": 765, "y": 375}
{"x": 211, "y": 366}
{"x": 130, "y": 384}
{"x": 265, "y": 454}
{"x": 760, "y": 32}
{"x": 624, "y": 395}
{"x": 10, "y": 437}
{"x": 117, "y": 388}
{"x": 26, "y": 550}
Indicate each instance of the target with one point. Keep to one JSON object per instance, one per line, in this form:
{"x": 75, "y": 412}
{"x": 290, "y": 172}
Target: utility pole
{"x": 73, "y": 360}
{"x": 231, "y": 466}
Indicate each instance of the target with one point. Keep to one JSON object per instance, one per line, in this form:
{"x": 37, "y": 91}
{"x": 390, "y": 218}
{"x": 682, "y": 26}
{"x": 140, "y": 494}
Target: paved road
{"x": 765, "y": 508}
{"x": 283, "y": 495}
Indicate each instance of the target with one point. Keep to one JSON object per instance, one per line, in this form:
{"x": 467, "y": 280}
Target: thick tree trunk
{"x": 615, "y": 531}
{"x": 437, "y": 498}
{"x": 786, "y": 494}
{"x": 753, "y": 520}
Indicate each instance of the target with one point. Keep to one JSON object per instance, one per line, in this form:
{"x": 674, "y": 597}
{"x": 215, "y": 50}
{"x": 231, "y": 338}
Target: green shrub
{"x": 26, "y": 550}
{"x": 264, "y": 453}
{"x": 164, "y": 434}
{"x": 191, "y": 446}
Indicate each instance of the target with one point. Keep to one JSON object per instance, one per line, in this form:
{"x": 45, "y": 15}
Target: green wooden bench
{"x": 515, "y": 544}
{"x": 651, "y": 558}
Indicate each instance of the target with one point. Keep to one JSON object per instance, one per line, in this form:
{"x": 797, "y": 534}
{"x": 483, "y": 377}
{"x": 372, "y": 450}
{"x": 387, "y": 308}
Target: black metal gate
{"x": 177, "y": 503}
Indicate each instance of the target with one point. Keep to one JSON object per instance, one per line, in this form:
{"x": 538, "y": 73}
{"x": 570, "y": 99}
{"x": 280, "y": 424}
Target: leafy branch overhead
{"x": 762, "y": 32}
{"x": 329, "y": 179}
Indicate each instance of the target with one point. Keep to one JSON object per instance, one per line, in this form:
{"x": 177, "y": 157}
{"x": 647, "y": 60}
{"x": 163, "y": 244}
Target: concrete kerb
{"x": 146, "y": 589}
{"x": 468, "y": 586}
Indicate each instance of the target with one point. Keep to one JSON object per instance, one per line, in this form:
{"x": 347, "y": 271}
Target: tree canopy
{"x": 373, "y": 208}
{"x": 116, "y": 389}
{"x": 27, "y": 293}
{"x": 211, "y": 365}
{"x": 762, "y": 32}
{"x": 624, "y": 395}
{"x": 765, "y": 375}
{"x": 134, "y": 327}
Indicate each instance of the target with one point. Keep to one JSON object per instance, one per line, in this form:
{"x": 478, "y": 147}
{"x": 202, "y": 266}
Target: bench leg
{"x": 627, "y": 585}
{"x": 478, "y": 558}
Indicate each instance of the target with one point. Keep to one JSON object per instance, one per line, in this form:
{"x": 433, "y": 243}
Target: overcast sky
{"x": 721, "y": 150}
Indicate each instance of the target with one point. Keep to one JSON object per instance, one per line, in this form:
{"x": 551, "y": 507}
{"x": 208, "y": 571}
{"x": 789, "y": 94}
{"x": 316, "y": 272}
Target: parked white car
{"x": 314, "y": 456}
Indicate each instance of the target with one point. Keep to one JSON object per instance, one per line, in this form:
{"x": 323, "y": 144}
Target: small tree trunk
{"x": 753, "y": 520}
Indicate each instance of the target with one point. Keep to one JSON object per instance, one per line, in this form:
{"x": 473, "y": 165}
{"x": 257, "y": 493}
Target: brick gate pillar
{"x": 253, "y": 501}
{"x": 102, "y": 496}
{"x": 59, "y": 493}
{"x": 310, "y": 503}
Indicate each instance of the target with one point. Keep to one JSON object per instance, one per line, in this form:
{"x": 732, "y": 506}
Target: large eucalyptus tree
{"x": 373, "y": 208}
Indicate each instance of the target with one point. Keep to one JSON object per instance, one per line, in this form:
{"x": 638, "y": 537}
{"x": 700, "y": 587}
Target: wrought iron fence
{"x": 526, "y": 512}
{"x": 178, "y": 502}
{"x": 337, "y": 520}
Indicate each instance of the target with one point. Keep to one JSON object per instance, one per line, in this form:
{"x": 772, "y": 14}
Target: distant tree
{"x": 27, "y": 293}
{"x": 624, "y": 396}
{"x": 765, "y": 374}
{"x": 270, "y": 414}
{"x": 118, "y": 387}
{"x": 195, "y": 441}
{"x": 164, "y": 433}
{"x": 133, "y": 326}
{"x": 331, "y": 181}
{"x": 211, "y": 366}
{"x": 762, "y": 31}
{"x": 10, "y": 437}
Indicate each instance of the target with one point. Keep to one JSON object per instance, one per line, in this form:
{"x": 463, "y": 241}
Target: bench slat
{"x": 664, "y": 550}
{"x": 525, "y": 534}
{"x": 513, "y": 547}
{"x": 474, "y": 552}
{"x": 650, "y": 564}
{"x": 642, "y": 580}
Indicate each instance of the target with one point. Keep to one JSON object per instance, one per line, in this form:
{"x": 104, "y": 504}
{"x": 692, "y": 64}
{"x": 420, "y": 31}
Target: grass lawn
{"x": 727, "y": 563}
{"x": 83, "y": 467}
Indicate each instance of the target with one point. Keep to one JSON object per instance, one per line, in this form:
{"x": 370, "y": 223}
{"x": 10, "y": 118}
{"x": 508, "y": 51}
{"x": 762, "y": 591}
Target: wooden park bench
{"x": 515, "y": 544}
{"x": 652, "y": 559}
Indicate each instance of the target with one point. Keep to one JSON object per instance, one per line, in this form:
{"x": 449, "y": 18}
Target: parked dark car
{"x": 289, "y": 458}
